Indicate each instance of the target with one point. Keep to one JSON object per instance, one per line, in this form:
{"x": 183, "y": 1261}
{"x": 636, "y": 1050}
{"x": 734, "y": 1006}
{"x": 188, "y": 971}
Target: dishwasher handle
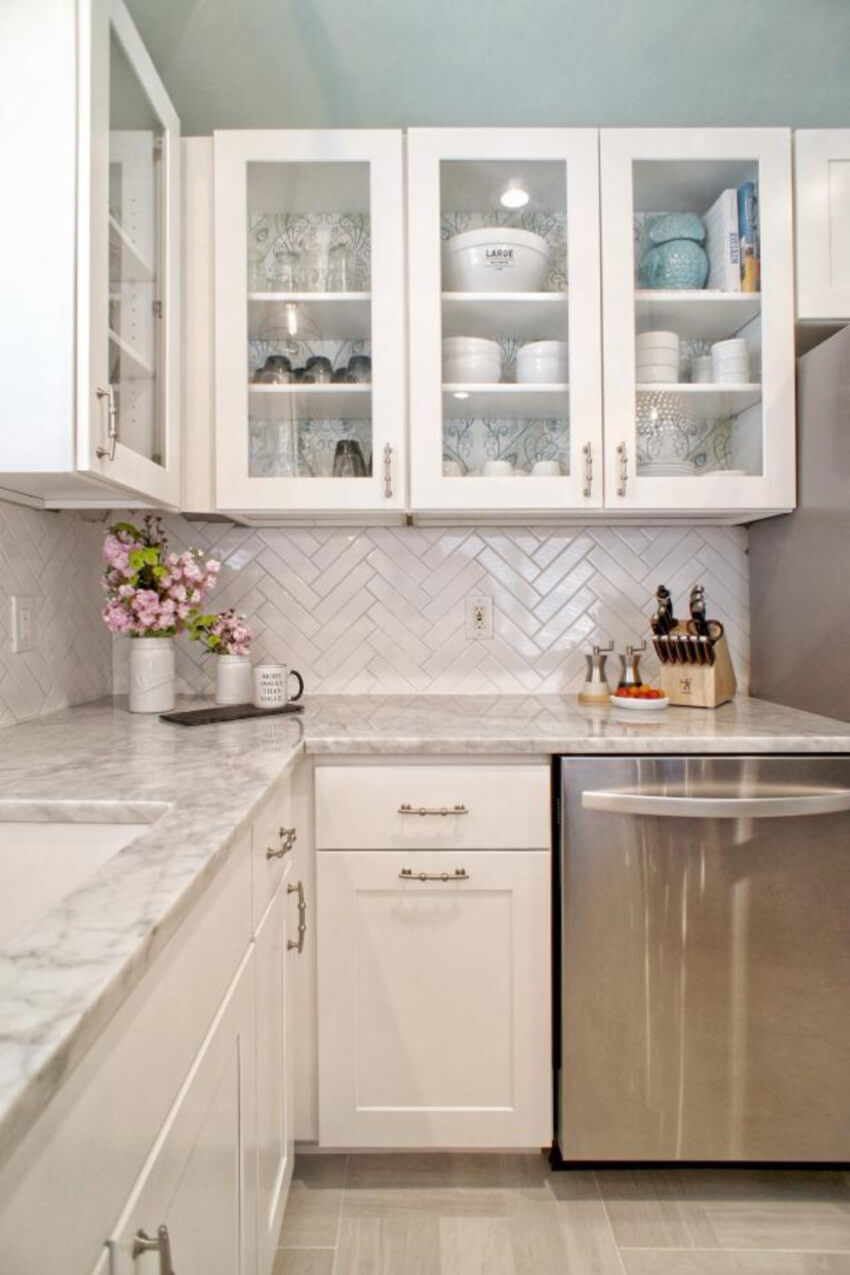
{"x": 794, "y": 806}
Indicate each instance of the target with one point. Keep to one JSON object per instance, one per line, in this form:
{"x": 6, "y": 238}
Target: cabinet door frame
{"x": 129, "y": 469}
{"x": 271, "y": 942}
{"x": 775, "y": 490}
{"x": 578, "y": 148}
{"x": 815, "y": 151}
{"x": 231, "y": 1036}
{"x": 236, "y": 491}
{"x": 344, "y": 875}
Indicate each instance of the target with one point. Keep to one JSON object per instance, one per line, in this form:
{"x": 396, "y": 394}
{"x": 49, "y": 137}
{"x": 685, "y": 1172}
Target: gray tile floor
{"x": 509, "y": 1215}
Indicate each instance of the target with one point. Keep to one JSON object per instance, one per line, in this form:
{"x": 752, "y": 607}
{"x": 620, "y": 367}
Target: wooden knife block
{"x": 700, "y": 685}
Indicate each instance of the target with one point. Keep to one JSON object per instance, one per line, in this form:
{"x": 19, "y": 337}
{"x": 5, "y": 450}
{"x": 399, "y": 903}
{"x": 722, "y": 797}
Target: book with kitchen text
{"x": 722, "y": 244}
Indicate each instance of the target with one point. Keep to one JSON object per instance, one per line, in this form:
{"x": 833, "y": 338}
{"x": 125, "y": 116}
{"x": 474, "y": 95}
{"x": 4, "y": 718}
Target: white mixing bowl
{"x": 498, "y": 259}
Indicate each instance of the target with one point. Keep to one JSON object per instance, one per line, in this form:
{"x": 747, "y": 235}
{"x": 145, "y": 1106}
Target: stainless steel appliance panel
{"x": 705, "y": 959}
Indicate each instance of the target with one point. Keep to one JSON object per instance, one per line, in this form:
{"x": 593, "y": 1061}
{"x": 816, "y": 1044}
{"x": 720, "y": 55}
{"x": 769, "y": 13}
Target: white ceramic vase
{"x": 151, "y": 675}
{"x": 234, "y": 683}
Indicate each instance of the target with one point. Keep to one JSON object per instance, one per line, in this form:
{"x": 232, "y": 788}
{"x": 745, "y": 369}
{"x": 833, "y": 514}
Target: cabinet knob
{"x": 587, "y": 452}
{"x": 288, "y": 837}
{"x": 144, "y": 1243}
{"x": 297, "y": 945}
{"x": 388, "y": 472}
{"x": 623, "y": 469}
{"x": 108, "y": 453}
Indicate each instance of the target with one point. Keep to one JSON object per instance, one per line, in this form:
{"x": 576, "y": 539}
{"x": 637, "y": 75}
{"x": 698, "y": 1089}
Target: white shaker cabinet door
{"x": 195, "y": 1192}
{"x": 274, "y": 1069}
{"x": 822, "y": 223}
{"x": 434, "y": 999}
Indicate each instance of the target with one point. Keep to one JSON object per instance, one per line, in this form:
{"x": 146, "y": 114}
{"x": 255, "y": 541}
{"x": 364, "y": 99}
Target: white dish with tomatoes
{"x": 639, "y": 699}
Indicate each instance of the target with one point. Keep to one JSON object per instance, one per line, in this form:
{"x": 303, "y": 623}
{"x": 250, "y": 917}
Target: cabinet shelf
{"x": 132, "y": 266}
{"x": 309, "y": 402}
{"x": 509, "y": 402}
{"x": 696, "y": 313}
{"x": 709, "y": 401}
{"x": 529, "y": 316}
{"x": 342, "y": 315}
{"x": 132, "y": 367}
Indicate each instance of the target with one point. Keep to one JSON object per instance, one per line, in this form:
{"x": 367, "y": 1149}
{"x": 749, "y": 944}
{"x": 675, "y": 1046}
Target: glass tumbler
{"x": 348, "y": 460}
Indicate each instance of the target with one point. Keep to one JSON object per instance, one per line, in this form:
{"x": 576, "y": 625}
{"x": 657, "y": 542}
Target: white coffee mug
{"x": 545, "y": 468}
{"x": 271, "y": 685}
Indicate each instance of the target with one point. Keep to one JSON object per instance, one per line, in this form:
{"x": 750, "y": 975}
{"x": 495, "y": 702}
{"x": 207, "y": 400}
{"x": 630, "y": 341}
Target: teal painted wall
{"x": 393, "y": 63}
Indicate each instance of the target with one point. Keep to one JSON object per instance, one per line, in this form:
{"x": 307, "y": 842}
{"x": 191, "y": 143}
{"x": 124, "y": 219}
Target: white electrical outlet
{"x": 479, "y": 617}
{"x": 23, "y": 624}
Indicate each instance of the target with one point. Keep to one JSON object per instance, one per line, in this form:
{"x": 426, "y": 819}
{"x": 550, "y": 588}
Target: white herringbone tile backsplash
{"x": 55, "y": 560}
{"x": 382, "y": 609}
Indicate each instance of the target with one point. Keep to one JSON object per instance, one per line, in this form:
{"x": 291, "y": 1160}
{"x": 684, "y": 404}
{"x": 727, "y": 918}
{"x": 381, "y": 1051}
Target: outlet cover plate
{"x": 479, "y": 617}
{"x": 23, "y": 624}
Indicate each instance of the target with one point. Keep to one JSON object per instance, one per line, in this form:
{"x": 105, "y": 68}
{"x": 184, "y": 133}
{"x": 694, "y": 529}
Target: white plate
{"x": 640, "y": 705}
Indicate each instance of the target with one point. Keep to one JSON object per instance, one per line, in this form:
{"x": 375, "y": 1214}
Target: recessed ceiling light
{"x": 514, "y": 196}
{"x": 461, "y": 394}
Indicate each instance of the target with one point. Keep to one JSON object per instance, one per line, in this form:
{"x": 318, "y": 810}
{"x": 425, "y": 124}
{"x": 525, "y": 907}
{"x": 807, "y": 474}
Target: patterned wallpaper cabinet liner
{"x": 382, "y": 610}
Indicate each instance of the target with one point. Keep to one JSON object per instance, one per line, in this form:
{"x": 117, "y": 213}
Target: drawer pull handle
{"x": 288, "y": 837}
{"x": 406, "y": 809}
{"x": 297, "y": 945}
{"x": 143, "y": 1243}
{"x": 459, "y": 874}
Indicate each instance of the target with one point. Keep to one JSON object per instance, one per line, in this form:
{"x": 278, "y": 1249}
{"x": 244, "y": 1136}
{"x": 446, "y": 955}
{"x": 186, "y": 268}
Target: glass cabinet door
{"x": 131, "y": 394}
{"x": 698, "y": 327}
{"x": 309, "y": 321}
{"x": 504, "y": 296}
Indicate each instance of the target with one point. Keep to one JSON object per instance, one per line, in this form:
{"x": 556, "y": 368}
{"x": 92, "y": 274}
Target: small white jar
{"x": 234, "y": 683}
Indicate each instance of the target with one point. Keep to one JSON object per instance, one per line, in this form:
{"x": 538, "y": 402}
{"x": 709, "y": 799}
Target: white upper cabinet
{"x": 505, "y": 380}
{"x": 698, "y": 306}
{"x": 93, "y": 407}
{"x": 309, "y": 322}
{"x": 822, "y": 223}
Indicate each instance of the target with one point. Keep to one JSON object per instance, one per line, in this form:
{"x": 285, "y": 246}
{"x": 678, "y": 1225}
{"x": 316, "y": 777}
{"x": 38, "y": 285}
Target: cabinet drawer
{"x": 272, "y": 839}
{"x": 499, "y": 807}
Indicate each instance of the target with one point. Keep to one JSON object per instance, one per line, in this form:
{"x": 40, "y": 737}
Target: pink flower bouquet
{"x": 151, "y": 592}
{"x": 223, "y": 634}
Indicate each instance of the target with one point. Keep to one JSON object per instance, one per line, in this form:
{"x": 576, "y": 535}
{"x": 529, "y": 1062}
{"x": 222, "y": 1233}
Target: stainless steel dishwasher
{"x": 705, "y": 959}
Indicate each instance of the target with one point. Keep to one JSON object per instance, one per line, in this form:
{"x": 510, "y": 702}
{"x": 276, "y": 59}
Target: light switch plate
{"x": 23, "y": 624}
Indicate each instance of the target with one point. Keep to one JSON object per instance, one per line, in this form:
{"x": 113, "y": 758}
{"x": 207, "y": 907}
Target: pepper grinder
{"x": 630, "y": 673}
{"x": 595, "y": 689}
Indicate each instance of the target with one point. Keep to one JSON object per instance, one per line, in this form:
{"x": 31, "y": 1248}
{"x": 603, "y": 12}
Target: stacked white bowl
{"x": 471, "y": 359}
{"x": 542, "y": 363}
{"x": 730, "y": 362}
{"x": 656, "y": 357}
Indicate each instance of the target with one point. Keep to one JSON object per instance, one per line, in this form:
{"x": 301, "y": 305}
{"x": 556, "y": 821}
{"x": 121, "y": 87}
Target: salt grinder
{"x": 630, "y": 674}
{"x": 595, "y": 689}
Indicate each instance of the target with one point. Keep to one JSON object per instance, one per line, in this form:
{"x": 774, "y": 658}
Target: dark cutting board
{"x": 225, "y": 713}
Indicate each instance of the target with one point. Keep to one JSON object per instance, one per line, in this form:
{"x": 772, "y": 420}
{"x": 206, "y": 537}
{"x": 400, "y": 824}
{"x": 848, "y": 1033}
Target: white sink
{"x": 44, "y": 859}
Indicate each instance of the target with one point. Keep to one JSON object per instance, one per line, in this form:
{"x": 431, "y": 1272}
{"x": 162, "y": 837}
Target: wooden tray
{"x": 225, "y": 713}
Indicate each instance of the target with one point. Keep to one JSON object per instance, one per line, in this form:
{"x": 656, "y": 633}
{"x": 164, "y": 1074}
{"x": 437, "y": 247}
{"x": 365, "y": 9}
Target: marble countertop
{"x": 63, "y": 978}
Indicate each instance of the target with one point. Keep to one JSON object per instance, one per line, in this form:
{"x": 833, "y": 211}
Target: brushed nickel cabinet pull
{"x": 406, "y": 809}
{"x": 459, "y": 874}
{"x": 297, "y": 945}
{"x": 388, "y": 472}
{"x": 143, "y": 1243}
{"x": 623, "y": 469}
{"x": 108, "y": 453}
{"x": 587, "y": 452}
{"x": 288, "y": 837}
